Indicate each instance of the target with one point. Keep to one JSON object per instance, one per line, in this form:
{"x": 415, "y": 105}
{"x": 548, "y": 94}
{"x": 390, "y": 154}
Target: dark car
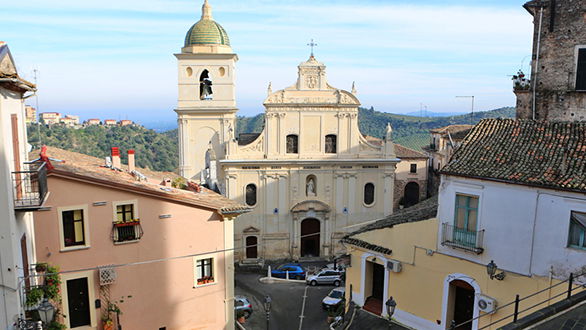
{"x": 242, "y": 306}
{"x": 295, "y": 271}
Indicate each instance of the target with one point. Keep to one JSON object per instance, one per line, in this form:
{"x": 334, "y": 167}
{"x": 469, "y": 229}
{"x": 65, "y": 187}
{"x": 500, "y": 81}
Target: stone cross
{"x": 312, "y": 45}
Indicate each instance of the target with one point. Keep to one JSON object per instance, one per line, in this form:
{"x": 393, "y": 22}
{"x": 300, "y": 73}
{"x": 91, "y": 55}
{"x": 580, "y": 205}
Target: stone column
{"x": 352, "y": 188}
{"x": 327, "y": 235}
{"x": 388, "y": 196}
{"x": 282, "y": 196}
{"x": 295, "y": 240}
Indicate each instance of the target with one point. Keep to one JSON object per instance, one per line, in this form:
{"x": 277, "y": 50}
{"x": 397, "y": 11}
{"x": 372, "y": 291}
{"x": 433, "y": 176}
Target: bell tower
{"x": 206, "y": 105}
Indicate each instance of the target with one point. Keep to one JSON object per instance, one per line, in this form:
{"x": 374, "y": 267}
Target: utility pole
{"x": 472, "y": 112}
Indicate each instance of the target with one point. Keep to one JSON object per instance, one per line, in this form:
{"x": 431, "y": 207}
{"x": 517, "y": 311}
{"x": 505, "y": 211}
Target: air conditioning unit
{"x": 486, "y": 304}
{"x": 394, "y": 266}
{"x": 107, "y": 275}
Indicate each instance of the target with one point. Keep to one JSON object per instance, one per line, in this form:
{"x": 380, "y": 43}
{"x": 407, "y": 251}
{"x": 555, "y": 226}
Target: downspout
{"x": 537, "y": 63}
{"x": 533, "y": 233}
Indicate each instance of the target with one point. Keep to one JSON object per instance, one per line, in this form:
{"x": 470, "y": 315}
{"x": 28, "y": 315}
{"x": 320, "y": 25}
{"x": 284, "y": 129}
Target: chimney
{"x": 115, "y": 157}
{"x": 130, "y": 160}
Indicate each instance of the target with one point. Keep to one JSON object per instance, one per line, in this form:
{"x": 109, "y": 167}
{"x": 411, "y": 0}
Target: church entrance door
{"x": 310, "y": 232}
{"x": 251, "y": 247}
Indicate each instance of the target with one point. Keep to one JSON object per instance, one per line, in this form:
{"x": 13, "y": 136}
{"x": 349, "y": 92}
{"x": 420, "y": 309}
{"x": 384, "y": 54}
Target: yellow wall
{"x": 419, "y": 287}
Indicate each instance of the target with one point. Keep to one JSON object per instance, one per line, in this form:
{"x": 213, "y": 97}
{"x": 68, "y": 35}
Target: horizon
{"x": 99, "y": 60}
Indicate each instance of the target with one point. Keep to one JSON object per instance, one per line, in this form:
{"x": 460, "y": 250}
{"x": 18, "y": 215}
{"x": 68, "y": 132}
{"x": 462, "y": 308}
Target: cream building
{"x": 309, "y": 174}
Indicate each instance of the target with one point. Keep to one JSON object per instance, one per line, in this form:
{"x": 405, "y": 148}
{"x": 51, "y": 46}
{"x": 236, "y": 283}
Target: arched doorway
{"x": 251, "y": 247}
{"x": 461, "y": 304}
{"x": 310, "y": 232}
{"x": 411, "y": 195}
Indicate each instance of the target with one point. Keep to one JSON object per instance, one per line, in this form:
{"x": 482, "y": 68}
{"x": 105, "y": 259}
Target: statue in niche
{"x": 310, "y": 191}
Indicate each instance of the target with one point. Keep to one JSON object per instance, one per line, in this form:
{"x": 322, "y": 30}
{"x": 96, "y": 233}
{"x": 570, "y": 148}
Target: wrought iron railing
{"x": 470, "y": 240}
{"x": 30, "y": 186}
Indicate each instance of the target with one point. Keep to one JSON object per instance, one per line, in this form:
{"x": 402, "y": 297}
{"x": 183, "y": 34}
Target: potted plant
{"x": 41, "y": 268}
{"x": 107, "y": 322}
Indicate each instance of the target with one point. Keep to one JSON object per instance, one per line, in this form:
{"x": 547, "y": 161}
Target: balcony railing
{"x": 461, "y": 238}
{"x": 30, "y": 187}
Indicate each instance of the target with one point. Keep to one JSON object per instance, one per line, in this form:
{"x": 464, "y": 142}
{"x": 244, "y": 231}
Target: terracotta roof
{"x": 373, "y": 140}
{"x": 452, "y": 129}
{"x": 366, "y": 245}
{"x": 11, "y": 73}
{"x": 535, "y": 153}
{"x": 424, "y": 210}
{"x": 404, "y": 152}
{"x": 87, "y": 168}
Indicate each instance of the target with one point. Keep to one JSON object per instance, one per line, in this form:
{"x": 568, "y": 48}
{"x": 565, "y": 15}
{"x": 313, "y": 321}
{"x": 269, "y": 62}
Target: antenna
{"x": 35, "y": 71}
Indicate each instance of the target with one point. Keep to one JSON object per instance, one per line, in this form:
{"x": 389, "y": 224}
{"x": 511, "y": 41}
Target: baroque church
{"x": 310, "y": 176}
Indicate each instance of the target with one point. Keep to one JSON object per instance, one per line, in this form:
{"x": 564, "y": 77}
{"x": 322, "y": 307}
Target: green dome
{"x": 206, "y": 32}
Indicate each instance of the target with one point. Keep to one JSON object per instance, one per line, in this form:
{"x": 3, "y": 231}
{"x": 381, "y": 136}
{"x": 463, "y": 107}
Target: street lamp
{"x": 491, "y": 269}
{"x": 267, "y": 304}
{"x": 391, "y": 305}
{"x": 46, "y": 312}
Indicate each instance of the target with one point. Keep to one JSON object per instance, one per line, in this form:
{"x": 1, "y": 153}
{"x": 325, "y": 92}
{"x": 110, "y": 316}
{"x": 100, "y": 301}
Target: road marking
{"x": 301, "y": 317}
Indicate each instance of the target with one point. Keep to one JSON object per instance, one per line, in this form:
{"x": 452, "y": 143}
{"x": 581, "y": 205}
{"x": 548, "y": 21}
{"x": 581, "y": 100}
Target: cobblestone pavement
{"x": 575, "y": 319}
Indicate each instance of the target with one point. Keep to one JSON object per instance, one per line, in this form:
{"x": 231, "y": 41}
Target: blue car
{"x": 295, "y": 271}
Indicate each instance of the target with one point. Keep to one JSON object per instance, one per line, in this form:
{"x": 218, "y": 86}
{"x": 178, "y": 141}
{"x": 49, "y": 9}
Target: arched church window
{"x": 331, "y": 147}
{"x": 205, "y": 86}
{"x": 251, "y": 195}
{"x": 292, "y": 144}
{"x": 311, "y": 186}
{"x": 369, "y": 193}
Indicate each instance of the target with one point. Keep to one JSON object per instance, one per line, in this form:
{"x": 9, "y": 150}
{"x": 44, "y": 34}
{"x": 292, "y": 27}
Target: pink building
{"x": 162, "y": 239}
{"x": 125, "y": 122}
{"x": 110, "y": 122}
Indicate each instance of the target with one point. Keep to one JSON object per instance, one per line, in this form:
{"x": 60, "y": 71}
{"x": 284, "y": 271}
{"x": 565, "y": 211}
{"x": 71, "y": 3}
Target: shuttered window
{"x": 581, "y": 70}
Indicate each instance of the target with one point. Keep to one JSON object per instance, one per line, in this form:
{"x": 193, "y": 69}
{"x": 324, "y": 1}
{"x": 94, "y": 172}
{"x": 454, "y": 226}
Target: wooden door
{"x": 78, "y": 302}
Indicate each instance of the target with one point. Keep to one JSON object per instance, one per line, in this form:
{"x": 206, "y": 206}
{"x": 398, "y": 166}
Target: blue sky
{"x": 112, "y": 58}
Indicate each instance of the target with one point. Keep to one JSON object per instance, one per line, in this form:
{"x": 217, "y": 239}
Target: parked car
{"x": 325, "y": 276}
{"x": 242, "y": 305}
{"x": 295, "y": 271}
{"x": 334, "y": 298}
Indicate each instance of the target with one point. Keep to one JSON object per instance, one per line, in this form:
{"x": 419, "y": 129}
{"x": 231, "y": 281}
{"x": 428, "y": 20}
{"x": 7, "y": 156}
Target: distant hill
{"x": 426, "y": 113}
{"x": 153, "y": 150}
{"x": 159, "y": 151}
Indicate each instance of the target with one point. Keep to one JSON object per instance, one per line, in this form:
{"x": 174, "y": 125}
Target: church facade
{"x": 310, "y": 175}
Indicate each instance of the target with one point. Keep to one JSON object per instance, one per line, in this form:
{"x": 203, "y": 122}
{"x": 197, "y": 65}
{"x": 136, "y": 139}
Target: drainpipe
{"x": 533, "y": 232}
{"x": 537, "y": 63}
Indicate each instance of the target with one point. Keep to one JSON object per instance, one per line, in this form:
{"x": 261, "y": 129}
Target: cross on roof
{"x": 312, "y": 45}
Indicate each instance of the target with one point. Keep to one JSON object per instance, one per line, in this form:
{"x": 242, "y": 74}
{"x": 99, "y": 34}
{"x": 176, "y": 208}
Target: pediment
{"x": 311, "y": 205}
{"x": 251, "y": 229}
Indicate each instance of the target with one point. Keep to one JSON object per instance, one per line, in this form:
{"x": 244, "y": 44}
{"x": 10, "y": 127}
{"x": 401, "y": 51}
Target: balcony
{"x": 30, "y": 187}
{"x": 464, "y": 239}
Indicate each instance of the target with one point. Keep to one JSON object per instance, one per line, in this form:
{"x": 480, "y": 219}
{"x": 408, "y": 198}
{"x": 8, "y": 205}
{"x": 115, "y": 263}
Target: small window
{"x": 331, "y": 147}
{"x": 204, "y": 271}
{"x": 413, "y": 168}
{"x": 581, "y": 70}
{"x": 251, "y": 195}
{"x": 126, "y": 224}
{"x": 369, "y": 193}
{"x": 292, "y": 144}
{"x": 73, "y": 228}
{"x": 577, "y": 236}
{"x": 466, "y": 217}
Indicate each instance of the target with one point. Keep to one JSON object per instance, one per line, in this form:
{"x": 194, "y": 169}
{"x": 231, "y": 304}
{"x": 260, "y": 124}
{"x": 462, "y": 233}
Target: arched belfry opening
{"x": 205, "y": 86}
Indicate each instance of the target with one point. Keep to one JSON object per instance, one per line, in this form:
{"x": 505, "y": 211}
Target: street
{"x": 289, "y": 309}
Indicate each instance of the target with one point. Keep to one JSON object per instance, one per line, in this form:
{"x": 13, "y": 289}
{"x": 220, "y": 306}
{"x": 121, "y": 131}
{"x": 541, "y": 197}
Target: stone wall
{"x": 400, "y": 190}
{"x": 563, "y": 27}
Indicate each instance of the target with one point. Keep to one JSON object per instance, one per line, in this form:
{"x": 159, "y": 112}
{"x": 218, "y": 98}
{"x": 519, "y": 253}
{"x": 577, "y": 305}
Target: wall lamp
{"x": 491, "y": 269}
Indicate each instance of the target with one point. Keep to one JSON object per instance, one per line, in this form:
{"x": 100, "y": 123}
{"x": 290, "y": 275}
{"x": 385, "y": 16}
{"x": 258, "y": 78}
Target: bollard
{"x": 287, "y": 275}
{"x": 269, "y": 272}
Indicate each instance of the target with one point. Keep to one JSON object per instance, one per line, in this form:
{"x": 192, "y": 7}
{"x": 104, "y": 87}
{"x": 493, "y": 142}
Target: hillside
{"x": 153, "y": 150}
{"x": 159, "y": 151}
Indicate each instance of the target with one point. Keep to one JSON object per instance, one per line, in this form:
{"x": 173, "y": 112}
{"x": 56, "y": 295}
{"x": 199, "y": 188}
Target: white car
{"x": 325, "y": 276}
{"x": 335, "y": 297}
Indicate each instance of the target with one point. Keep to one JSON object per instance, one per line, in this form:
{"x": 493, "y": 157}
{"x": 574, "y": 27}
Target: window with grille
{"x": 73, "y": 228}
{"x": 126, "y": 225}
{"x": 577, "y": 238}
{"x": 204, "y": 271}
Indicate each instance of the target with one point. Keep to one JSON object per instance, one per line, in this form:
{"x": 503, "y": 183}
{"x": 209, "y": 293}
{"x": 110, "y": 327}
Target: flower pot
{"x": 108, "y": 325}
{"x": 241, "y": 320}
